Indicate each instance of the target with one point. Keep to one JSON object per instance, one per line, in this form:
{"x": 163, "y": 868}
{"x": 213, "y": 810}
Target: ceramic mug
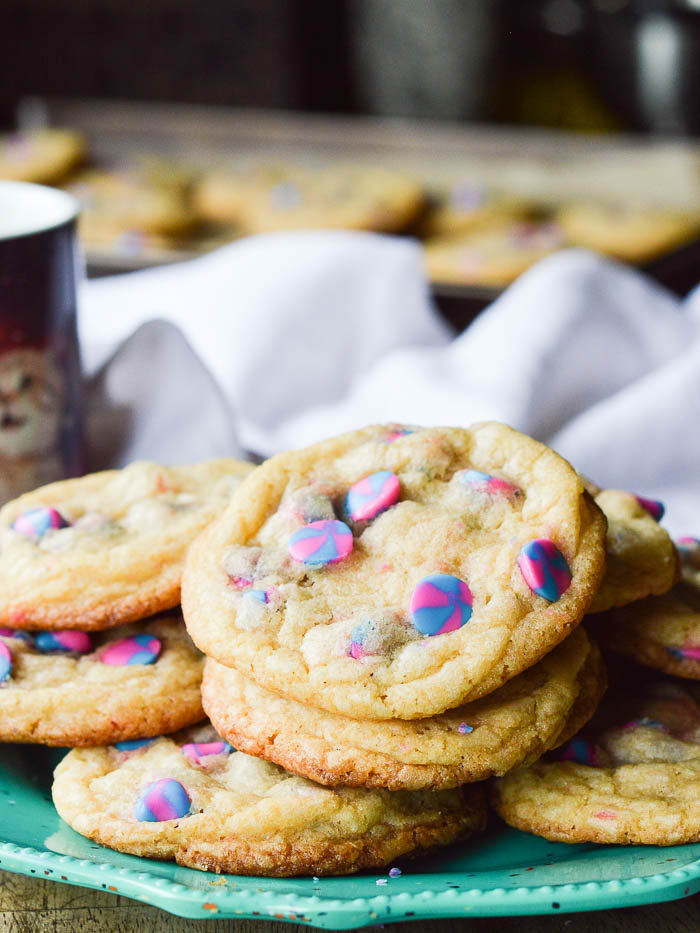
{"x": 40, "y": 383}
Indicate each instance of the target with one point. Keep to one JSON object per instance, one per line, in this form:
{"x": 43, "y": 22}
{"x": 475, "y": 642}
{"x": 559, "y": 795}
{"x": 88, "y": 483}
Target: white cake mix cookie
{"x": 208, "y": 807}
{"x": 109, "y": 547}
{"x": 71, "y": 688}
{"x": 42, "y": 156}
{"x": 635, "y": 780}
{"x": 396, "y": 573}
{"x": 510, "y": 727}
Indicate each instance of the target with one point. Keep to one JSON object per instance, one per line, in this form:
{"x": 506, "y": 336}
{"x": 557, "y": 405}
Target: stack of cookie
{"x": 84, "y": 565}
{"x": 390, "y": 618}
{"x": 633, "y": 774}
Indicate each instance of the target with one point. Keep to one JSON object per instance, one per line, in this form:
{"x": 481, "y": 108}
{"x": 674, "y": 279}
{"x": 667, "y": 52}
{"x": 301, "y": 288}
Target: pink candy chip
{"x": 139, "y": 649}
{"x": 372, "y": 495}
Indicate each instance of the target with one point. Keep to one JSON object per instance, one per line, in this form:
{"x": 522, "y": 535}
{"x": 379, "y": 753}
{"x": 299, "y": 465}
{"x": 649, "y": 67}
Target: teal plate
{"x": 501, "y": 873}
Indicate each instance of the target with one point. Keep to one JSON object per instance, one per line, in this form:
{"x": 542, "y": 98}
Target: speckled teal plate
{"x": 501, "y": 873}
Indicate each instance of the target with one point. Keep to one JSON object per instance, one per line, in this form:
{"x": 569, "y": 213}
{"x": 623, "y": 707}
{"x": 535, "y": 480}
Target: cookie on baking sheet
{"x": 139, "y": 205}
{"x": 468, "y": 205}
{"x": 641, "y": 559}
{"x": 219, "y": 195}
{"x": 109, "y": 547}
{"x": 465, "y": 555}
{"x": 630, "y": 232}
{"x": 689, "y": 553}
{"x": 662, "y": 632}
{"x": 43, "y": 156}
{"x": 193, "y": 799}
{"x": 491, "y": 257}
{"x": 351, "y": 197}
{"x": 70, "y": 688}
{"x": 635, "y": 779}
{"x": 510, "y": 727}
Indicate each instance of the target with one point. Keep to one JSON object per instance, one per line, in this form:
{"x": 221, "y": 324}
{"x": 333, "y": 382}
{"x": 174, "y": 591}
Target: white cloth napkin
{"x": 277, "y": 341}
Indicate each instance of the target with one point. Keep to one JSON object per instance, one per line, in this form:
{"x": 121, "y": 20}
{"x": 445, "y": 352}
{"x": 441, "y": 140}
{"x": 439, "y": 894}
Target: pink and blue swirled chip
{"x": 655, "y": 508}
{"x": 162, "y": 800}
{"x": 36, "y": 522}
{"x": 372, "y": 495}
{"x": 5, "y": 662}
{"x": 138, "y": 649}
{"x": 319, "y": 543}
{"x": 544, "y": 569}
{"x": 196, "y": 751}
{"x": 485, "y": 482}
{"x": 441, "y": 603}
{"x": 67, "y": 642}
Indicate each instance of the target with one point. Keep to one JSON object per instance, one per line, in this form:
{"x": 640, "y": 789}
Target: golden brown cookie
{"x": 689, "y": 553}
{"x": 68, "y": 688}
{"x": 510, "y": 727}
{"x": 396, "y": 572}
{"x": 640, "y": 557}
{"x": 468, "y": 205}
{"x": 491, "y": 257}
{"x": 43, "y": 156}
{"x": 109, "y": 547}
{"x": 662, "y": 632}
{"x": 232, "y": 813}
{"x": 630, "y": 232}
{"x": 351, "y": 197}
{"x": 635, "y": 781}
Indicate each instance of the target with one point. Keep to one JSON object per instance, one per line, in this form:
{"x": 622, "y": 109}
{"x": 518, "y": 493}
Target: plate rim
{"x": 323, "y": 911}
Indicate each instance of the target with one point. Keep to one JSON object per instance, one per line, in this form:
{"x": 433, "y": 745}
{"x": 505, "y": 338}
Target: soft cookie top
{"x": 107, "y": 548}
{"x": 396, "y": 572}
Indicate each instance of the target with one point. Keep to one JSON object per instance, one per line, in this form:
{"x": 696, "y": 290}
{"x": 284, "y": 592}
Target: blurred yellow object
{"x": 631, "y": 233}
{"x": 344, "y": 197}
{"x": 492, "y": 257}
{"x": 44, "y": 156}
{"x": 468, "y": 205}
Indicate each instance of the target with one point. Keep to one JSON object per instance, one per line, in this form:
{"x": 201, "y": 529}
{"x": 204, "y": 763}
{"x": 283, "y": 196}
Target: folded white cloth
{"x": 309, "y": 334}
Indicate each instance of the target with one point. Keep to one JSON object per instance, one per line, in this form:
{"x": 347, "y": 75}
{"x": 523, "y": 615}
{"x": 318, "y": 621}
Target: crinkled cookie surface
{"x": 396, "y": 572}
{"x": 637, "y": 781}
{"x": 230, "y": 812}
{"x": 109, "y": 547}
{"x": 70, "y": 688}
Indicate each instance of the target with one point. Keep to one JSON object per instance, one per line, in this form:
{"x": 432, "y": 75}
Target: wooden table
{"x": 32, "y": 905}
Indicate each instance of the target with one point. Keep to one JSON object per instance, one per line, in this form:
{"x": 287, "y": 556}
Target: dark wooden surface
{"x": 31, "y": 905}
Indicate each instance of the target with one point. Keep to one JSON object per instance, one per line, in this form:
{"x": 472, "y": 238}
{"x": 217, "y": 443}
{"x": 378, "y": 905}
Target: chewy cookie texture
{"x": 107, "y": 548}
{"x": 220, "y": 810}
{"x": 71, "y": 688}
{"x": 509, "y": 728}
{"x": 633, "y": 776}
{"x": 344, "y": 575}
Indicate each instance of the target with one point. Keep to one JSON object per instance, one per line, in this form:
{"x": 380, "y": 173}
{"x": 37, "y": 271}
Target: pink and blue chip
{"x": 36, "y": 522}
{"x": 544, "y": 569}
{"x": 68, "y": 642}
{"x": 441, "y": 603}
{"x": 5, "y": 662}
{"x": 487, "y": 483}
{"x": 162, "y": 800}
{"x": 319, "y": 543}
{"x": 372, "y": 495}
{"x": 138, "y": 649}
{"x": 655, "y": 508}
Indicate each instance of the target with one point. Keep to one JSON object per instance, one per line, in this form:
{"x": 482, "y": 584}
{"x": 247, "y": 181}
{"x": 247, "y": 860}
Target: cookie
{"x": 132, "y": 208}
{"x": 109, "y": 547}
{"x": 510, "y": 727}
{"x": 396, "y": 572}
{"x": 44, "y": 156}
{"x": 641, "y": 559}
{"x": 219, "y": 195}
{"x": 71, "y": 688}
{"x": 491, "y": 257}
{"x": 630, "y": 232}
{"x": 233, "y": 813}
{"x": 636, "y": 781}
{"x": 662, "y": 632}
{"x": 689, "y": 552}
{"x": 467, "y": 205}
{"x": 350, "y": 197}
